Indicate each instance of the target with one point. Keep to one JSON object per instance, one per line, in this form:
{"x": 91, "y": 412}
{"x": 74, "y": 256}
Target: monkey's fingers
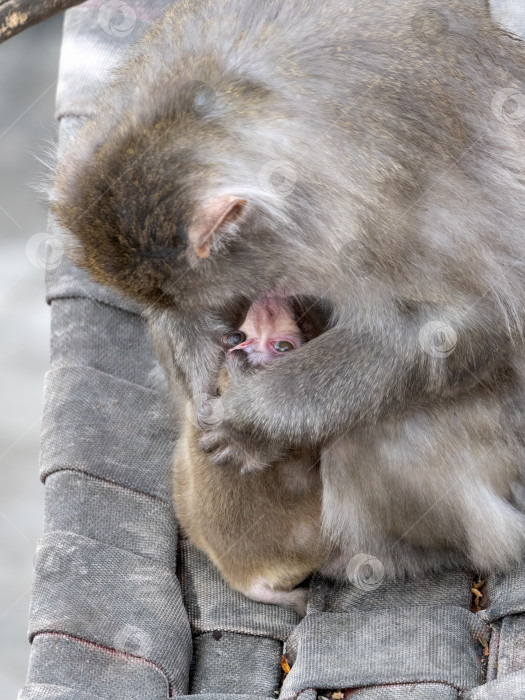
{"x": 220, "y": 450}
{"x": 227, "y": 457}
{"x": 216, "y": 437}
{"x": 225, "y": 447}
{"x": 253, "y": 464}
{"x": 213, "y": 441}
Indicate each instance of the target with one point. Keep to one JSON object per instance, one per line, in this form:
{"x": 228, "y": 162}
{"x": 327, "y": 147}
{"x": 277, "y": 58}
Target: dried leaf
{"x": 285, "y": 665}
{"x": 477, "y": 593}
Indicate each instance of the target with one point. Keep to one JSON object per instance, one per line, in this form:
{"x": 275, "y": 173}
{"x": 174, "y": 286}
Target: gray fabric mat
{"x": 505, "y": 594}
{"x": 507, "y": 688}
{"x": 387, "y": 645}
{"x": 421, "y": 691}
{"x": 248, "y": 661}
{"x": 212, "y": 605}
{"x": 117, "y": 344}
{"x": 106, "y": 427}
{"x": 122, "y": 605}
{"x": 112, "y": 598}
{"x": 111, "y": 514}
{"x": 40, "y": 691}
{"x": 58, "y": 660}
{"x": 443, "y": 589}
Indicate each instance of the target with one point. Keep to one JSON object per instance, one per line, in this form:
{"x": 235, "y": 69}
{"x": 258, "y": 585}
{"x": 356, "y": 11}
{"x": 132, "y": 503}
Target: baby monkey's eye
{"x": 283, "y": 346}
{"x": 230, "y": 340}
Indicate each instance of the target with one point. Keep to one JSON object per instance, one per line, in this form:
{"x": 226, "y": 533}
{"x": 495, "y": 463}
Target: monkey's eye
{"x": 283, "y": 346}
{"x": 230, "y": 340}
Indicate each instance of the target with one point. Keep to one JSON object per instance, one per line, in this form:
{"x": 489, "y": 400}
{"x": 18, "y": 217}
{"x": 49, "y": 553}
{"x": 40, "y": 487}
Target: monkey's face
{"x": 162, "y": 231}
{"x": 269, "y": 330}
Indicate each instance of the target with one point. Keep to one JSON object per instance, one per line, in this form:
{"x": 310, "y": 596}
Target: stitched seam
{"x": 102, "y": 647}
{"x": 89, "y": 475}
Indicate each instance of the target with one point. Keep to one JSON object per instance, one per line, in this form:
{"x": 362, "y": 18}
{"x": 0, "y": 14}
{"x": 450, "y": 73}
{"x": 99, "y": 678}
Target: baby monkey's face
{"x": 268, "y": 331}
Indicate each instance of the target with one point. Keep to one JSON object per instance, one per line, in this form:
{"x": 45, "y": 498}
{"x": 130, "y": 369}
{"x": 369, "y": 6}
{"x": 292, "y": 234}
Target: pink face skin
{"x": 270, "y": 331}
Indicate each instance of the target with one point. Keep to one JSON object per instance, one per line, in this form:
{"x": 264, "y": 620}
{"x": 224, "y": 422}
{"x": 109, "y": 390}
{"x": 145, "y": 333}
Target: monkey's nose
{"x": 247, "y": 346}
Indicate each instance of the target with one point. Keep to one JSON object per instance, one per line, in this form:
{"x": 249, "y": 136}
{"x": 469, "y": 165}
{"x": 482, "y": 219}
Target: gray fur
{"x": 405, "y": 207}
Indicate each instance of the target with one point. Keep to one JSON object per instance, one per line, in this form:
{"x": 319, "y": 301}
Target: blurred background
{"x": 29, "y": 64}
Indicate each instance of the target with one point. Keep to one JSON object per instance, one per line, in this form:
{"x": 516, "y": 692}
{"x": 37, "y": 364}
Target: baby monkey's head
{"x": 269, "y": 330}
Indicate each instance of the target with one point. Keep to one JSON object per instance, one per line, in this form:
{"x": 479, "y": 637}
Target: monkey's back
{"x": 377, "y": 120}
{"x": 261, "y": 525}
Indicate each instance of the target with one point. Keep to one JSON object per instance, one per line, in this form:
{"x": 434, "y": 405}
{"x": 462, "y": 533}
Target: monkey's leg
{"x": 276, "y": 585}
{"x": 261, "y": 591}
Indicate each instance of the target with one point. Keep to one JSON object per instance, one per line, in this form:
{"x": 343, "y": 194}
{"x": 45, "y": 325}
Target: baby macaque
{"x": 261, "y": 529}
{"x": 269, "y": 330}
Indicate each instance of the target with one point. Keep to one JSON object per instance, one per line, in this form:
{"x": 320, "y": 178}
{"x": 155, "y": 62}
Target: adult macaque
{"x": 371, "y": 154}
{"x": 261, "y": 529}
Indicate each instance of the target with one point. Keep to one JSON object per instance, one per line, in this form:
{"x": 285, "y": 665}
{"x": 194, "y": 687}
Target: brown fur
{"x": 262, "y": 530}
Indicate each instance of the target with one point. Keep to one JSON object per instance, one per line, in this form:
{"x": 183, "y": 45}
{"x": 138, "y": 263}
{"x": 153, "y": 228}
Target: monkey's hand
{"x": 226, "y": 447}
{"x": 225, "y": 451}
{"x": 301, "y": 400}
{"x": 350, "y": 376}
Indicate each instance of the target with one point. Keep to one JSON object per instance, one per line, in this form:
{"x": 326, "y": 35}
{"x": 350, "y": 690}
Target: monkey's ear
{"x": 210, "y": 220}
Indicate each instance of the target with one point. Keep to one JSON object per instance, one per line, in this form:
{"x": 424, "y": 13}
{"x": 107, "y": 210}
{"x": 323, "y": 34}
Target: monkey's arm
{"x": 350, "y": 375}
{"x": 188, "y": 350}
